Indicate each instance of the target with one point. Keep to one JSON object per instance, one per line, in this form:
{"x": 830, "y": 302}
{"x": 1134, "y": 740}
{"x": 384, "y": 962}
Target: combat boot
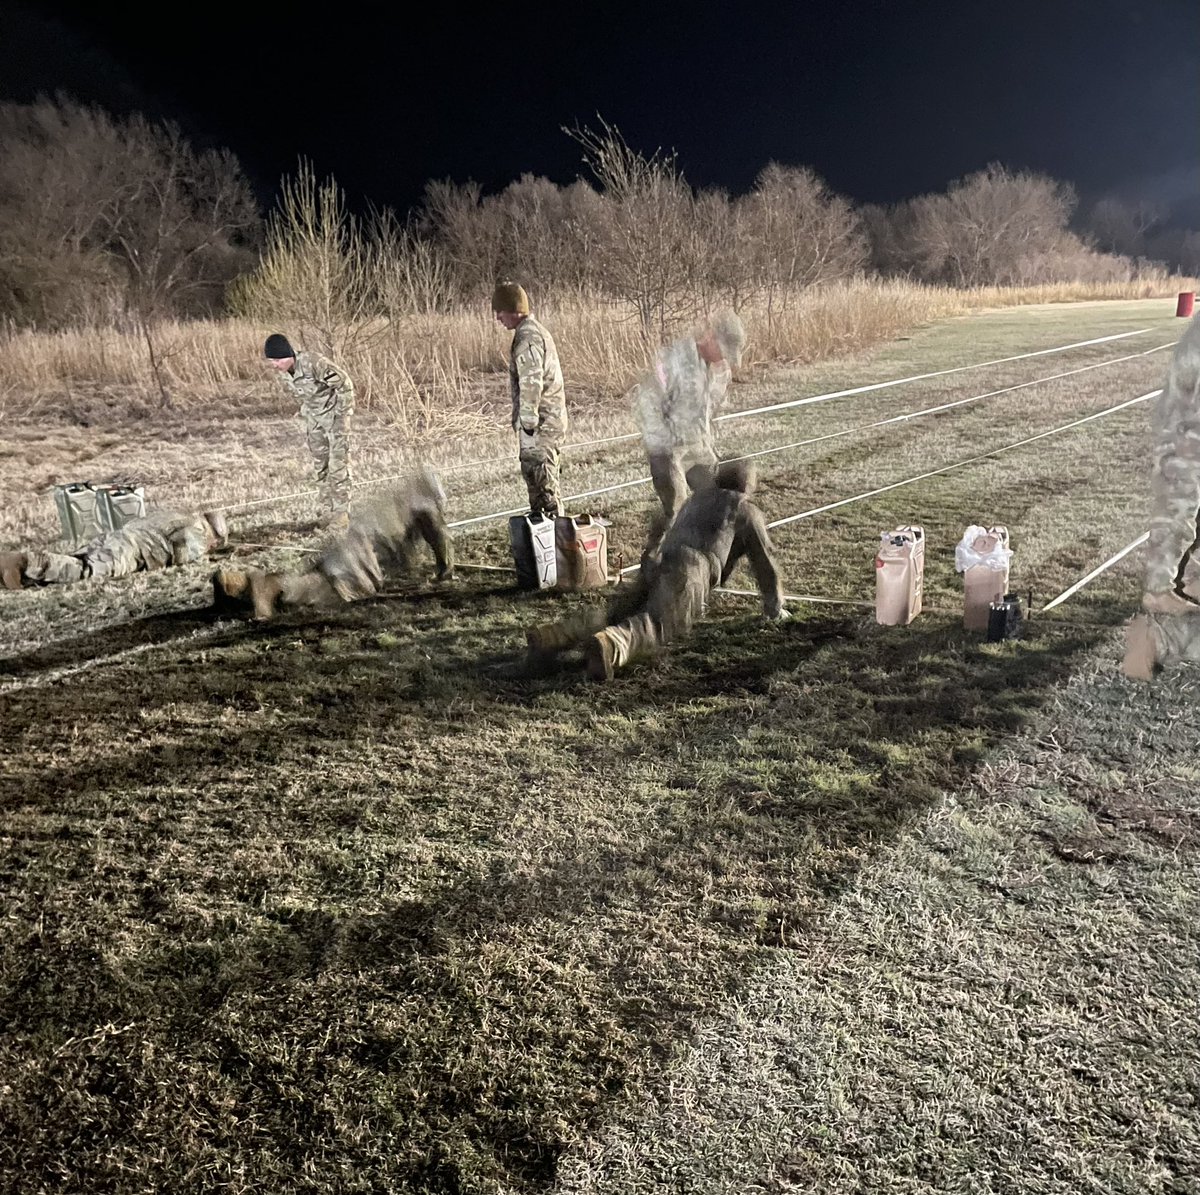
{"x": 231, "y": 589}
{"x": 265, "y": 590}
{"x": 1141, "y": 648}
{"x": 12, "y": 568}
{"x": 549, "y": 638}
{"x": 600, "y": 656}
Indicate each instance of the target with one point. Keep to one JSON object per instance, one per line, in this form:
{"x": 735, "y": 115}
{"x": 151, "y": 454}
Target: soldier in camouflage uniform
{"x": 1169, "y": 630}
{"x": 386, "y": 532}
{"x": 156, "y": 541}
{"x": 714, "y": 529}
{"x": 677, "y": 400}
{"x": 326, "y": 397}
{"x": 539, "y": 405}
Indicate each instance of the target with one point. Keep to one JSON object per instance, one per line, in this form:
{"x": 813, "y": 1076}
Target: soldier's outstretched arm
{"x": 431, "y": 527}
{"x": 755, "y": 543}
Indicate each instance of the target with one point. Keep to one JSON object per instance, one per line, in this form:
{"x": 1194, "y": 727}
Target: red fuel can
{"x": 1186, "y": 303}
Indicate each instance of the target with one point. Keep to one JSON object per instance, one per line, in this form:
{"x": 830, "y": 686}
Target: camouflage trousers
{"x": 1173, "y": 553}
{"x": 540, "y": 468}
{"x": 328, "y": 435}
{"x": 118, "y": 553}
{"x": 668, "y": 472}
{"x": 664, "y": 607}
{"x": 1177, "y": 636}
{"x": 661, "y": 605}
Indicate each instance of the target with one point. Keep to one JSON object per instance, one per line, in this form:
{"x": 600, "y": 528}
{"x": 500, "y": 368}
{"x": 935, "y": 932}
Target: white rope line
{"x": 798, "y": 597}
{"x": 920, "y": 377}
{"x": 961, "y": 402}
{"x": 1074, "y": 589}
{"x": 520, "y": 510}
{"x": 128, "y": 653}
{"x": 813, "y": 399}
{"x": 907, "y": 415}
{"x": 730, "y": 415}
{"x": 816, "y": 510}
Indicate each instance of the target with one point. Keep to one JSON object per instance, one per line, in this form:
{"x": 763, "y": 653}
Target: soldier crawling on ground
{"x": 384, "y": 534}
{"x": 714, "y": 529}
{"x": 678, "y": 399}
{"x": 1169, "y": 630}
{"x": 154, "y": 541}
{"x": 326, "y": 397}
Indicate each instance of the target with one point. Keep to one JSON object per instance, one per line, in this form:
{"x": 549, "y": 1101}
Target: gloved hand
{"x": 526, "y": 437}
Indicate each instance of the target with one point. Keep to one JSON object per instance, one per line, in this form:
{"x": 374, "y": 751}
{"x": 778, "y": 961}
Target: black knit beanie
{"x": 277, "y": 347}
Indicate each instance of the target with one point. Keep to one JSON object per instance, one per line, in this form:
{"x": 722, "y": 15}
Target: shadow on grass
{"x": 477, "y": 1026}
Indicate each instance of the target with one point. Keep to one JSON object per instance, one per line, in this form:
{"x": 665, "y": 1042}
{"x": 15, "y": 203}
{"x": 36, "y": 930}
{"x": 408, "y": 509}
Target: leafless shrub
{"x": 796, "y": 233}
{"x": 316, "y": 276}
{"x": 104, "y": 219}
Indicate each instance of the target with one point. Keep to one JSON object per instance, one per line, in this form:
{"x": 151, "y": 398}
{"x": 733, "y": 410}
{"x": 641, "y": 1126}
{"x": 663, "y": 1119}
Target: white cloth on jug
{"x": 978, "y": 547}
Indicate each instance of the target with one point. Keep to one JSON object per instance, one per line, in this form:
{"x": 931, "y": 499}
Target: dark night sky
{"x": 884, "y": 99}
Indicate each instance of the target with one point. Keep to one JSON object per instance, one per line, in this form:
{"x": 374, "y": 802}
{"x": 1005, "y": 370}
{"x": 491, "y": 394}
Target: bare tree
{"x": 175, "y": 222}
{"x": 316, "y": 275}
{"x": 799, "y": 234}
{"x": 1123, "y": 226}
{"x": 102, "y": 219}
{"x": 643, "y": 248}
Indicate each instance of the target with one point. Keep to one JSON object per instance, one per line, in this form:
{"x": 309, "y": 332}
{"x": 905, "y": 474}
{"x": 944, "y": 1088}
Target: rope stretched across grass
{"x": 752, "y": 411}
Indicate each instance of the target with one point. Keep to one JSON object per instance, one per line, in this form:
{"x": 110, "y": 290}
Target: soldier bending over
{"x": 714, "y": 529}
{"x": 326, "y": 397}
{"x": 155, "y": 541}
{"x": 1169, "y": 630}
{"x": 385, "y": 532}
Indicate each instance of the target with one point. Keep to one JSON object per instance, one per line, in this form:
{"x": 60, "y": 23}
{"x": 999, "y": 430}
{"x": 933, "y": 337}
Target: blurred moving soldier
{"x": 326, "y": 397}
{"x": 539, "y": 405}
{"x": 1169, "y": 630}
{"x": 384, "y": 533}
{"x": 156, "y": 541}
{"x": 678, "y": 399}
{"x": 714, "y": 529}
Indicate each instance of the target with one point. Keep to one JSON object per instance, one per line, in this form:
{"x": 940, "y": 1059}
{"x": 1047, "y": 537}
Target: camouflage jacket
{"x": 679, "y": 397}
{"x": 161, "y": 538}
{"x": 320, "y": 386}
{"x": 724, "y": 525}
{"x": 535, "y": 378}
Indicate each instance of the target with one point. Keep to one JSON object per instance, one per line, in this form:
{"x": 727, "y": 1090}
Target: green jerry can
{"x": 79, "y": 511}
{"x": 121, "y": 504}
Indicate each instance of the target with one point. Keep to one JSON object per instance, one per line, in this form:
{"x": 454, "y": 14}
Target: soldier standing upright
{"x": 714, "y": 529}
{"x": 539, "y": 406}
{"x": 326, "y": 396}
{"x": 678, "y": 399}
{"x": 1169, "y": 630}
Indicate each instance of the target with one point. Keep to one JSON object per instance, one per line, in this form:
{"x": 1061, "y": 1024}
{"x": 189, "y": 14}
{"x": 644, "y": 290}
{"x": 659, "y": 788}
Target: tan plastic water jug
{"x": 899, "y": 576}
{"x": 581, "y": 545}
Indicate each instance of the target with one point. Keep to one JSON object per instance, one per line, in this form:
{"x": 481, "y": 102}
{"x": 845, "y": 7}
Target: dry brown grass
{"x": 427, "y": 374}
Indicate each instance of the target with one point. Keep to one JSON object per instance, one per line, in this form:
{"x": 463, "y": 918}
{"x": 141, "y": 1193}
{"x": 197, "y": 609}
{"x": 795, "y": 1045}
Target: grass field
{"x": 353, "y": 903}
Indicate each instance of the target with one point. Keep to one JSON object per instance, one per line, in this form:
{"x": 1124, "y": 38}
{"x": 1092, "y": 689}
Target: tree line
{"x": 121, "y": 220}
